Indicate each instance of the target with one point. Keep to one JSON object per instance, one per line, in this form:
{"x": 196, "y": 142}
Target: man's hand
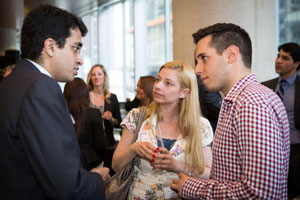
{"x": 103, "y": 172}
{"x": 177, "y": 184}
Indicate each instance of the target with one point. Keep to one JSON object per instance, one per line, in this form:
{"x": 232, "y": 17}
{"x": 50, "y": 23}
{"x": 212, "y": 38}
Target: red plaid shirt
{"x": 251, "y": 147}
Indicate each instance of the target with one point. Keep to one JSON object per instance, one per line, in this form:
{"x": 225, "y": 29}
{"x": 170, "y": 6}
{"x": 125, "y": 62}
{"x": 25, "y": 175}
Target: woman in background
{"x": 173, "y": 138}
{"x": 108, "y": 104}
{"x": 88, "y": 122}
{"x": 144, "y": 93}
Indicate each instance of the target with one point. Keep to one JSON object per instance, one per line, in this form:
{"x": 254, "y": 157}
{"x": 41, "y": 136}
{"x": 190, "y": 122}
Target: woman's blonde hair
{"x": 189, "y": 115}
{"x": 105, "y": 85}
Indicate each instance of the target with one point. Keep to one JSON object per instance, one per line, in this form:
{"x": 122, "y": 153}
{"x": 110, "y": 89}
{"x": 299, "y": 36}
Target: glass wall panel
{"x": 89, "y": 50}
{"x": 131, "y": 38}
{"x": 111, "y": 46}
{"x": 129, "y": 70}
{"x": 155, "y": 35}
{"x": 289, "y": 21}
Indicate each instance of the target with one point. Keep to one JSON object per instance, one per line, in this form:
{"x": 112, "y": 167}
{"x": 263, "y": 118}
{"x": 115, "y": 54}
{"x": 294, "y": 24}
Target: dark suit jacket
{"x": 91, "y": 138}
{"x": 39, "y": 152}
{"x": 210, "y": 104}
{"x": 272, "y": 85}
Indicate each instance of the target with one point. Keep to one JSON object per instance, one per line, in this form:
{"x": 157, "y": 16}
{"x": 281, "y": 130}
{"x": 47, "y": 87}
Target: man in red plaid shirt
{"x": 252, "y": 145}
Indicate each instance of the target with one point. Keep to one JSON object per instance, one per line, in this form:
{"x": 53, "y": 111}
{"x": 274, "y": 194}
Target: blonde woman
{"x": 173, "y": 138}
{"x": 108, "y": 104}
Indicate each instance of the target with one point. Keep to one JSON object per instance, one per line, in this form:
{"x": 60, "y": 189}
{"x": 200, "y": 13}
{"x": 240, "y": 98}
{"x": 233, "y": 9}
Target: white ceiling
{"x": 13, "y": 11}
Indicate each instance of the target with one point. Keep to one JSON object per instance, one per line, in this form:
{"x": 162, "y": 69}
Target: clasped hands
{"x": 158, "y": 157}
{"x": 107, "y": 115}
{"x": 161, "y": 158}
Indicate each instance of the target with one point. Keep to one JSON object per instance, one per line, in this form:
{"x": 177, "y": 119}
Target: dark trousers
{"x": 294, "y": 172}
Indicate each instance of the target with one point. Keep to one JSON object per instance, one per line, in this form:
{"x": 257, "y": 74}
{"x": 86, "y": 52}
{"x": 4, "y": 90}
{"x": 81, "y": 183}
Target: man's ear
{"x": 184, "y": 93}
{"x": 232, "y": 53}
{"x": 297, "y": 64}
{"x": 49, "y": 46}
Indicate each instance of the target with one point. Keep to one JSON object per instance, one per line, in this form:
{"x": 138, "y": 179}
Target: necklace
{"x": 160, "y": 137}
{"x": 165, "y": 143}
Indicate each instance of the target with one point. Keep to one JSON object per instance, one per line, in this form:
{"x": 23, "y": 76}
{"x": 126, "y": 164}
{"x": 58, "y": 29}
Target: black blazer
{"x": 132, "y": 104}
{"x": 39, "y": 152}
{"x": 91, "y": 138}
{"x": 272, "y": 85}
{"x": 114, "y": 108}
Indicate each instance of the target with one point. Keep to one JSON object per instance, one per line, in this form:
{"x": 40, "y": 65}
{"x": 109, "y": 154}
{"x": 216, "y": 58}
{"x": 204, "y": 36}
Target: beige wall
{"x": 256, "y": 16}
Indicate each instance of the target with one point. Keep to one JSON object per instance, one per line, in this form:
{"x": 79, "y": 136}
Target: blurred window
{"x": 131, "y": 38}
{"x": 289, "y": 21}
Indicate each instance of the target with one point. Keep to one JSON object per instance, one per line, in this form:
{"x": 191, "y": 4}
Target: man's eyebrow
{"x": 199, "y": 55}
{"x": 79, "y": 44}
{"x": 284, "y": 56}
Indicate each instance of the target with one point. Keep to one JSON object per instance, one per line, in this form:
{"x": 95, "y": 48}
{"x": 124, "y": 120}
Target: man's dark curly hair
{"x": 292, "y": 48}
{"x": 44, "y": 22}
{"x": 226, "y": 34}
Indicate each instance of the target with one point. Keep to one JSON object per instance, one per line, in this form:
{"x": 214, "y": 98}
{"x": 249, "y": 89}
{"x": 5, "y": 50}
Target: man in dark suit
{"x": 210, "y": 103}
{"x": 287, "y": 86}
{"x": 39, "y": 152}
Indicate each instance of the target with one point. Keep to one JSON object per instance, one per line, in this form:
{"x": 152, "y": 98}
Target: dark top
{"x": 114, "y": 108}
{"x": 92, "y": 140}
{"x": 39, "y": 152}
{"x": 168, "y": 143}
{"x": 132, "y": 104}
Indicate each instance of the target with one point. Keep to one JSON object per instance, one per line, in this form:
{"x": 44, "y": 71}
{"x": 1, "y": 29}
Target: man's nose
{"x": 79, "y": 59}
{"x": 198, "y": 69}
{"x": 279, "y": 59}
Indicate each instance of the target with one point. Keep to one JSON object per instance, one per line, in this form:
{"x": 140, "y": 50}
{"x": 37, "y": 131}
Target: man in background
{"x": 39, "y": 152}
{"x": 287, "y": 86}
{"x": 210, "y": 103}
{"x": 251, "y": 146}
{"x": 8, "y": 62}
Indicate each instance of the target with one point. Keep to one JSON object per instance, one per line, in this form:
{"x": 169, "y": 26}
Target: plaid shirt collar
{"x": 239, "y": 87}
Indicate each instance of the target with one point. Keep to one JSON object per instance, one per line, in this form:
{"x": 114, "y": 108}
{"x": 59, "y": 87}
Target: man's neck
{"x": 235, "y": 77}
{"x": 287, "y": 75}
{"x": 41, "y": 68}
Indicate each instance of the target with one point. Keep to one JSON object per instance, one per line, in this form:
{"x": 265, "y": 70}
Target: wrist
{"x": 181, "y": 167}
{"x": 132, "y": 149}
{"x": 113, "y": 120}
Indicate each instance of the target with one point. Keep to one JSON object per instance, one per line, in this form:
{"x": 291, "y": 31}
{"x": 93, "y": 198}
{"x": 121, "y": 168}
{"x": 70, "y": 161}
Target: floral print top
{"x": 150, "y": 183}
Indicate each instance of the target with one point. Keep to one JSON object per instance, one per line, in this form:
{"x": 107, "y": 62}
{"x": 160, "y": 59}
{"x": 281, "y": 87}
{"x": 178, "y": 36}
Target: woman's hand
{"x": 162, "y": 159}
{"x": 143, "y": 149}
{"x": 107, "y": 115}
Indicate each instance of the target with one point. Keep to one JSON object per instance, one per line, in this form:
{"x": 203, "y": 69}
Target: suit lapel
{"x": 297, "y": 103}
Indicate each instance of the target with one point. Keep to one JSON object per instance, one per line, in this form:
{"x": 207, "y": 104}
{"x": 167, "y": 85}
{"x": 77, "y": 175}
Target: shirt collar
{"x": 40, "y": 68}
{"x": 239, "y": 87}
{"x": 290, "y": 80}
